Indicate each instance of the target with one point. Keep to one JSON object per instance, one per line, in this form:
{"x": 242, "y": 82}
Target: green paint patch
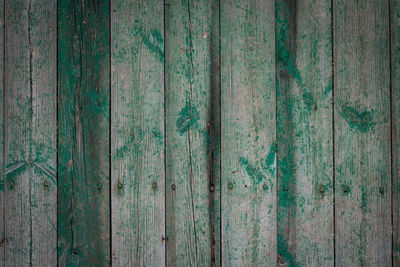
{"x": 270, "y": 159}
{"x": 328, "y": 88}
{"x": 152, "y": 39}
{"x": 1, "y": 185}
{"x": 188, "y": 117}
{"x": 308, "y": 100}
{"x": 362, "y": 121}
{"x": 288, "y": 59}
{"x": 254, "y": 173}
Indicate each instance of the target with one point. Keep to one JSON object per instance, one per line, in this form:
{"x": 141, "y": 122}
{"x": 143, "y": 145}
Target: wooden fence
{"x": 200, "y": 132}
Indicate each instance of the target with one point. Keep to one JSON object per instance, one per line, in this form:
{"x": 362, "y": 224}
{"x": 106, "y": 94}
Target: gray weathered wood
{"x": 83, "y": 133}
{"x": 137, "y": 118}
{"x": 395, "y": 84}
{"x": 192, "y": 132}
{"x": 248, "y": 132}
{"x": 30, "y": 133}
{"x": 304, "y": 130}
{"x": 362, "y": 133}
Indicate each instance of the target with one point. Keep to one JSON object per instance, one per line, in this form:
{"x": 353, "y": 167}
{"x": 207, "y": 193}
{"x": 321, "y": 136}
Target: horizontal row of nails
{"x": 345, "y": 188}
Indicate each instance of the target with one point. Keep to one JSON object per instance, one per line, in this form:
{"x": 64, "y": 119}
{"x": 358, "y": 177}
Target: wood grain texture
{"x": 192, "y": 132}
{"x": 3, "y": 239}
{"x": 30, "y": 133}
{"x": 248, "y": 132}
{"x": 395, "y": 84}
{"x": 304, "y": 130}
{"x": 362, "y": 133}
{"x": 83, "y": 133}
{"x": 138, "y": 173}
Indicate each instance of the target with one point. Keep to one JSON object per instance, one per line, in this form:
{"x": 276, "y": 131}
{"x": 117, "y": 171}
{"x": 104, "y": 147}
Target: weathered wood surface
{"x": 30, "y": 133}
{"x": 362, "y": 133}
{"x": 395, "y": 98}
{"x": 138, "y": 173}
{"x": 192, "y": 132}
{"x": 304, "y": 133}
{"x": 283, "y": 156}
{"x": 3, "y": 239}
{"x": 248, "y": 144}
{"x": 83, "y": 133}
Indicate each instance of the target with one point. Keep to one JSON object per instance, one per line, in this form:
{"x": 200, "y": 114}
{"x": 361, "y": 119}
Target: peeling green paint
{"x": 253, "y": 172}
{"x": 362, "y": 121}
{"x": 152, "y": 39}
{"x": 188, "y": 117}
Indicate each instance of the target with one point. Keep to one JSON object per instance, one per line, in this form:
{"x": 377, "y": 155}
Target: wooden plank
{"x": 2, "y": 199}
{"x": 83, "y": 133}
{"x": 138, "y": 172}
{"x": 248, "y": 133}
{"x": 395, "y": 87}
{"x": 192, "y": 132}
{"x": 362, "y": 133}
{"x": 30, "y": 133}
{"x": 304, "y": 130}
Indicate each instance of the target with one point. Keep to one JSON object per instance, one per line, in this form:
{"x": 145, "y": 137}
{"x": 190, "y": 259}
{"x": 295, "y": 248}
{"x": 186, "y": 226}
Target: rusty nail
{"x": 119, "y": 185}
{"x": 345, "y": 189}
{"x": 230, "y": 185}
{"x": 321, "y": 188}
{"x": 154, "y": 185}
{"x": 381, "y": 190}
{"x": 173, "y": 187}
{"x": 265, "y": 186}
{"x": 212, "y": 188}
{"x": 46, "y": 183}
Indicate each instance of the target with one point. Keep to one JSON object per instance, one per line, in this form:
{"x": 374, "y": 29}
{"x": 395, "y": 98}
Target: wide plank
{"x": 192, "y": 132}
{"x": 137, "y": 126}
{"x": 304, "y": 133}
{"x": 30, "y": 133}
{"x": 362, "y": 133}
{"x": 83, "y": 133}
{"x": 248, "y": 133}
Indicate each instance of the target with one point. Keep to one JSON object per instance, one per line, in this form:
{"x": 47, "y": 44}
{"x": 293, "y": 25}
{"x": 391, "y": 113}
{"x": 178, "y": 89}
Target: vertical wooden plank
{"x": 2, "y": 215}
{"x": 304, "y": 130}
{"x": 30, "y": 133}
{"x": 83, "y": 133}
{"x": 395, "y": 84}
{"x": 192, "y": 132}
{"x": 138, "y": 173}
{"x": 362, "y": 133}
{"x": 248, "y": 133}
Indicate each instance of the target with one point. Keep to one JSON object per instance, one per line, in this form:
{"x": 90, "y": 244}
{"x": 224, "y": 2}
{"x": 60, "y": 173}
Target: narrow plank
{"x": 248, "y": 132}
{"x": 362, "y": 133}
{"x": 304, "y": 130}
{"x": 83, "y": 133}
{"x": 2, "y": 200}
{"x": 192, "y": 132}
{"x": 30, "y": 133}
{"x": 138, "y": 172}
{"x": 395, "y": 84}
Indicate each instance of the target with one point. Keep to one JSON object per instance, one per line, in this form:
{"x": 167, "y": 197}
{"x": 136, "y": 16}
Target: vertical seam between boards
{"x": 165, "y": 139}
{"x": 333, "y": 131}
{"x": 57, "y": 116}
{"x": 391, "y": 126}
{"x": 110, "y": 129}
